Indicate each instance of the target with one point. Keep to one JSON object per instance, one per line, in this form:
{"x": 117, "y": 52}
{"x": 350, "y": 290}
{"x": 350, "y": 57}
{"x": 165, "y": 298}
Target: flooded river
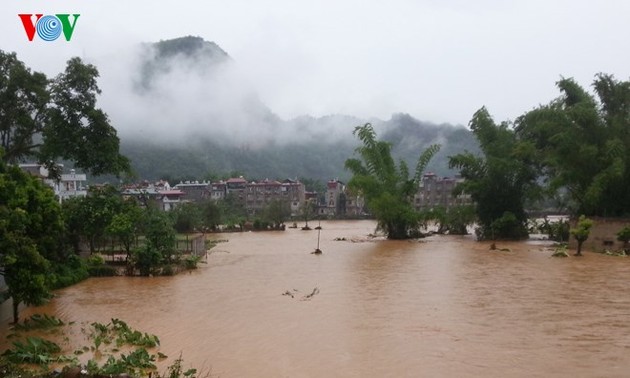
{"x": 445, "y": 306}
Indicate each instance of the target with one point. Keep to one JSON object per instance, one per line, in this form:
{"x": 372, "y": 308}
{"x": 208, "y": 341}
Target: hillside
{"x": 190, "y": 114}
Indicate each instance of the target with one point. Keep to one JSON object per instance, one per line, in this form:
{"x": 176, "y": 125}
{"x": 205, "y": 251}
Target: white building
{"x": 69, "y": 184}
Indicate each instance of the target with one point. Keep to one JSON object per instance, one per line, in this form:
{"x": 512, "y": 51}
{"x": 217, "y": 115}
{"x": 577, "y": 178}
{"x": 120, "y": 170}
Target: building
{"x": 339, "y": 201}
{"x": 195, "y": 191}
{"x": 168, "y": 200}
{"x": 435, "y": 191}
{"x": 159, "y": 195}
{"x": 67, "y": 186}
{"x": 71, "y": 185}
{"x": 260, "y": 194}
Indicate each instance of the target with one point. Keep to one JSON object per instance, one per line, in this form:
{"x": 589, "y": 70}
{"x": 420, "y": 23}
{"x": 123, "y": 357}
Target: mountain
{"x": 188, "y": 113}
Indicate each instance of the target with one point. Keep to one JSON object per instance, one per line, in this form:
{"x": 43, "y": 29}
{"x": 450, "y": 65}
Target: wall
{"x": 603, "y": 234}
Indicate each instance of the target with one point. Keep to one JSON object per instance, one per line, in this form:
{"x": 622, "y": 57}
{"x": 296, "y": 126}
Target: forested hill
{"x": 322, "y": 159}
{"x": 190, "y": 114}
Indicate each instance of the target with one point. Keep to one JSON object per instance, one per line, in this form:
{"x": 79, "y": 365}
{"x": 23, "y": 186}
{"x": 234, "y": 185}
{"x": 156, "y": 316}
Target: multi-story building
{"x": 71, "y": 185}
{"x": 260, "y": 194}
{"x": 435, "y": 191}
{"x": 157, "y": 195}
{"x": 68, "y": 185}
{"x": 340, "y": 201}
{"x": 195, "y": 191}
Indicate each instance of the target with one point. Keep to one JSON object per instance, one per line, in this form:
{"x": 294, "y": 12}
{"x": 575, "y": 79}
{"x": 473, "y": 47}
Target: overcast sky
{"x": 436, "y": 60}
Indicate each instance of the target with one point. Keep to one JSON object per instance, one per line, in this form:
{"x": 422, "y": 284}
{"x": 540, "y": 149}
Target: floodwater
{"x": 445, "y": 306}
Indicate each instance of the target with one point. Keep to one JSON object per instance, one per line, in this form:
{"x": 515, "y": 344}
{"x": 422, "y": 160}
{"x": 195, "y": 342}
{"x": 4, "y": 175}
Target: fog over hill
{"x": 184, "y": 111}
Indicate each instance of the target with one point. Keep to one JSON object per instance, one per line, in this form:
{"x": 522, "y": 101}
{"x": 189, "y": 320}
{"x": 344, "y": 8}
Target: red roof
{"x": 236, "y": 180}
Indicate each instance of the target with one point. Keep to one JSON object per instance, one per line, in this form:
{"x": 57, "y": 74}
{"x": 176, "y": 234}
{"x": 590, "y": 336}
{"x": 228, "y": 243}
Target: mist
{"x": 198, "y": 95}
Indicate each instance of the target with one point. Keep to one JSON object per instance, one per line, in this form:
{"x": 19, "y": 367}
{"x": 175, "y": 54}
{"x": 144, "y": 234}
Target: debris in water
{"x": 309, "y": 296}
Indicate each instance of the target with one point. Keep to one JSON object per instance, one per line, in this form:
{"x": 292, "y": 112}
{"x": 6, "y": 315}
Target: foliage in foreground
{"x": 123, "y": 349}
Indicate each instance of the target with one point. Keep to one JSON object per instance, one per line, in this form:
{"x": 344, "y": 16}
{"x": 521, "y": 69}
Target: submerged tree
{"x": 500, "y": 180}
{"x": 581, "y": 232}
{"x": 387, "y": 189}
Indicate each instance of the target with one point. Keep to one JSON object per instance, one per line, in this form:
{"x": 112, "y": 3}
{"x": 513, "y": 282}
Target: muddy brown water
{"x": 445, "y": 306}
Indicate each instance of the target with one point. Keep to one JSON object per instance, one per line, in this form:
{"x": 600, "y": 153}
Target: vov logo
{"x": 48, "y": 27}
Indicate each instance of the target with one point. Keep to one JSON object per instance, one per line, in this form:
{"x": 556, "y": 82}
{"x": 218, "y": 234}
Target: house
{"x": 195, "y": 191}
{"x": 71, "y": 185}
{"x": 68, "y": 185}
{"x": 147, "y": 194}
{"x": 435, "y": 191}
{"x": 260, "y": 194}
{"x": 341, "y": 201}
{"x": 169, "y": 199}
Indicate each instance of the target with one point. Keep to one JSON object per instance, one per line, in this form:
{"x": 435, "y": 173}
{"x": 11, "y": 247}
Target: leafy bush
{"x": 168, "y": 270}
{"x": 69, "y": 272}
{"x": 146, "y": 259}
{"x": 191, "y": 261}
{"x": 95, "y": 260}
{"x": 102, "y": 271}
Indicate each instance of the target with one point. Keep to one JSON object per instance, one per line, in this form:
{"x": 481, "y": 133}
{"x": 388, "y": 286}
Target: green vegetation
{"x": 582, "y": 145}
{"x": 624, "y": 236}
{"x": 581, "y": 232}
{"x": 30, "y": 226}
{"x": 454, "y": 221}
{"x": 115, "y": 349}
{"x": 41, "y": 118}
{"x": 498, "y": 181}
{"x": 387, "y": 189}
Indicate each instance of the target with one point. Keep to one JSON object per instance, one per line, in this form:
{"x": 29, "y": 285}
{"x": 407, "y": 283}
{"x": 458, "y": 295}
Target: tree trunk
{"x": 16, "y": 303}
{"x": 579, "y": 248}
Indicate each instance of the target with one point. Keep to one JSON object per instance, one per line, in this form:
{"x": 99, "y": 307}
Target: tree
{"x": 30, "y": 232}
{"x": 499, "y": 181}
{"x": 125, "y": 225}
{"x": 212, "y": 214}
{"x": 160, "y": 234}
{"x": 583, "y": 145}
{"x": 276, "y": 212}
{"x": 581, "y": 232}
{"x": 454, "y": 220}
{"x": 307, "y": 210}
{"x": 89, "y": 217}
{"x": 58, "y": 119}
{"x": 386, "y": 188}
{"x": 624, "y": 236}
{"x": 187, "y": 217}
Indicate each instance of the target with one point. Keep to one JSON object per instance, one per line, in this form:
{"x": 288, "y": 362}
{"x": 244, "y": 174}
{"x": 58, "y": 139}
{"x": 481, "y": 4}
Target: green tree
{"x": 454, "y": 220}
{"x": 233, "y": 210}
{"x": 89, "y": 217}
{"x": 307, "y": 211}
{"x": 583, "y": 145}
{"x": 58, "y": 119}
{"x": 212, "y": 213}
{"x": 30, "y": 231}
{"x": 624, "y": 236}
{"x": 187, "y": 217}
{"x": 386, "y": 188}
{"x": 276, "y": 212}
{"x": 160, "y": 234}
{"x": 500, "y": 181}
{"x": 125, "y": 225}
{"x": 581, "y": 232}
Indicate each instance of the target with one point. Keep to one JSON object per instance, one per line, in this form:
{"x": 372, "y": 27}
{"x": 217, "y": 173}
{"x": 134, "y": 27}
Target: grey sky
{"x": 436, "y": 60}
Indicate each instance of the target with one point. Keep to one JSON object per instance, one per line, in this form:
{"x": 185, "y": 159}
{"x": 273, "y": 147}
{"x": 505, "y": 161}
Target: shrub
{"x": 102, "y": 271}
